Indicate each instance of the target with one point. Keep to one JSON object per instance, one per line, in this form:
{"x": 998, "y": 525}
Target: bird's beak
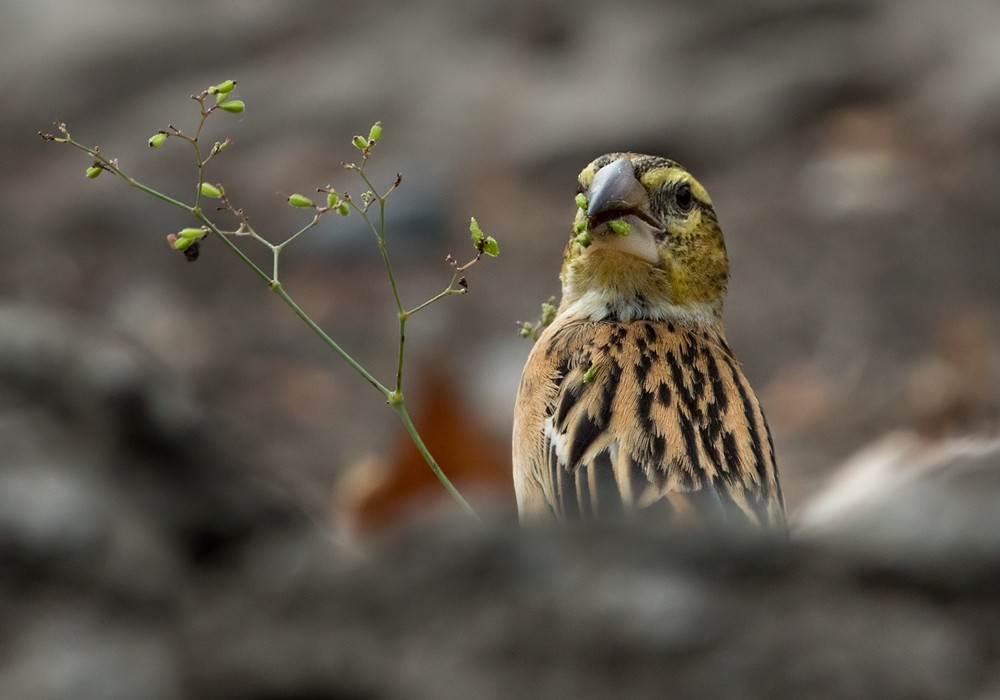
{"x": 616, "y": 191}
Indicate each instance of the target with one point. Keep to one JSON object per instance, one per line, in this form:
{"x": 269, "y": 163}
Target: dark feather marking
{"x": 553, "y": 466}
{"x": 637, "y": 476}
{"x": 583, "y": 435}
{"x": 754, "y": 430}
{"x": 711, "y": 449}
{"x": 650, "y": 331}
{"x": 677, "y": 373}
{"x": 643, "y": 368}
{"x": 567, "y": 493}
{"x": 689, "y": 350}
{"x": 730, "y": 453}
{"x": 645, "y": 409}
{"x": 609, "y": 497}
{"x": 658, "y": 445}
{"x": 609, "y": 387}
{"x": 770, "y": 447}
{"x": 721, "y": 398}
{"x": 617, "y": 338}
{"x": 697, "y": 382}
{"x": 567, "y": 400}
{"x": 663, "y": 394}
{"x": 641, "y": 345}
{"x": 690, "y": 443}
{"x": 582, "y": 494}
{"x": 713, "y": 422}
{"x": 689, "y": 479}
{"x": 562, "y": 369}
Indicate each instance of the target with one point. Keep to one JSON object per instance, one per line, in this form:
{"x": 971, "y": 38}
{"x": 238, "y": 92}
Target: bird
{"x": 631, "y": 403}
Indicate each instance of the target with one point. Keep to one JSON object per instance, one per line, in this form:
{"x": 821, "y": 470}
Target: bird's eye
{"x": 684, "y": 197}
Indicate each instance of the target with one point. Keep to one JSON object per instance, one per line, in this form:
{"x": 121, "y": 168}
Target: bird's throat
{"x": 611, "y": 283}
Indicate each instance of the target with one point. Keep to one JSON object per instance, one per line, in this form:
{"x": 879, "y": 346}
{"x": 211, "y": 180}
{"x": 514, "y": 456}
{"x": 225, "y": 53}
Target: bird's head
{"x": 646, "y": 244}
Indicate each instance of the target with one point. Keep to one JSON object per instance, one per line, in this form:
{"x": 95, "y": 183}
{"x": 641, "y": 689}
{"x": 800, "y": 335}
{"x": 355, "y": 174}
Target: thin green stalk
{"x": 437, "y": 297}
{"x": 198, "y": 214}
{"x": 314, "y": 327}
{"x": 442, "y": 477}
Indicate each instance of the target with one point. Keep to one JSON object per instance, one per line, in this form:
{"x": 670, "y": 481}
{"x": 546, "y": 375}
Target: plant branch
{"x": 189, "y": 237}
{"x": 425, "y": 453}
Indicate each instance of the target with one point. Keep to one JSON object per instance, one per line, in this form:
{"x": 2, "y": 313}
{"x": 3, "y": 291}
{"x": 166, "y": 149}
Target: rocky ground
{"x": 184, "y": 461}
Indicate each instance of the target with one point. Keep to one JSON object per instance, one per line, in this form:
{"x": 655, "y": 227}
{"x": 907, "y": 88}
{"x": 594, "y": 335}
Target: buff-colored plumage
{"x": 631, "y": 402}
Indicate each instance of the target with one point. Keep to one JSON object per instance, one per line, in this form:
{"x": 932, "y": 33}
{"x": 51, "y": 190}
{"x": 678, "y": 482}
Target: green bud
{"x": 210, "y": 190}
{"x": 591, "y": 372}
{"x": 620, "y": 227}
{"x": 93, "y": 171}
{"x": 183, "y": 243}
{"x": 360, "y": 142}
{"x": 584, "y": 239}
{"x": 300, "y": 200}
{"x": 343, "y": 209}
{"x": 526, "y": 330}
{"x": 157, "y": 139}
{"x": 477, "y": 233}
{"x": 375, "y": 133}
{"x": 491, "y": 247}
{"x": 548, "y": 313}
{"x": 223, "y": 88}
{"x": 234, "y": 106}
{"x": 192, "y": 233}
{"x": 580, "y": 226}
{"x": 220, "y": 146}
{"x": 581, "y": 201}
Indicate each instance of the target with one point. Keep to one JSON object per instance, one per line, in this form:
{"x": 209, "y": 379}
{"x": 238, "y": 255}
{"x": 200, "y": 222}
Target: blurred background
{"x": 851, "y": 147}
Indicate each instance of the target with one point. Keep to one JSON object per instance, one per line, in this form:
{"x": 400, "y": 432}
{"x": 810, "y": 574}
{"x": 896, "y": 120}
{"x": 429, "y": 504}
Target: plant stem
{"x": 425, "y": 453}
{"x": 278, "y": 289}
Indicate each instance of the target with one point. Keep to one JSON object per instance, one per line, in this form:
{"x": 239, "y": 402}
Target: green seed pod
{"x": 581, "y": 201}
{"x": 183, "y": 243}
{"x": 477, "y": 233}
{"x": 157, "y": 140}
{"x": 93, "y": 171}
{"x": 234, "y": 106}
{"x": 360, "y": 142}
{"x": 210, "y": 190}
{"x": 620, "y": 227}
{"x": 332, "y": 199}
{"x": 300, "y": 200}
{"x": 548, "y": 313}
{"x": 225, "y": 87}
{"x": 375, "y": 133}
{"x": 343, "y": 209}
{"x": 491, "y": 247}
{"x": 191, "y": 233}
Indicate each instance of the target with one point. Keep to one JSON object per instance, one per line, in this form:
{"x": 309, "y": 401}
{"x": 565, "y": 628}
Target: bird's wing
{"x": 640, "y": 417}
